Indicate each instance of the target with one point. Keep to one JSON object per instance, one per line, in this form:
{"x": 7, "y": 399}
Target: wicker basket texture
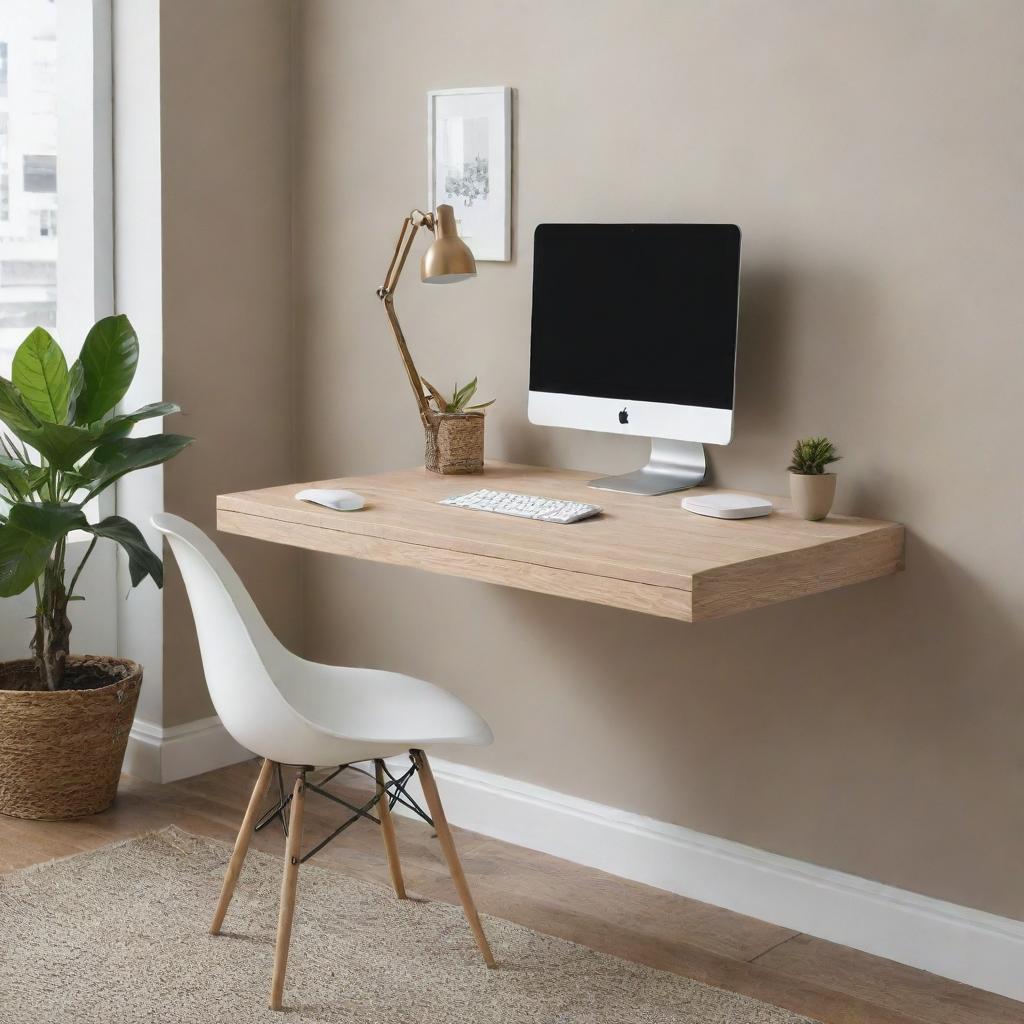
{"x": 455, "y": 443}
{"x": 61, "y": 752}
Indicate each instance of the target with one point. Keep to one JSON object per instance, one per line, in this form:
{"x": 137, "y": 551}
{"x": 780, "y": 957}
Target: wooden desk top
{"x": 644, "y": 554}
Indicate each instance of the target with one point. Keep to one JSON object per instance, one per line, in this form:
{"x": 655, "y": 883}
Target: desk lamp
{"x": 447, "y": 261}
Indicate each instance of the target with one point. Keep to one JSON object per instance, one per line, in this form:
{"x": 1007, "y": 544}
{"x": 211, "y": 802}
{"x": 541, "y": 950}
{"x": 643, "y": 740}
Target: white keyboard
{"x": 527, "y": 506}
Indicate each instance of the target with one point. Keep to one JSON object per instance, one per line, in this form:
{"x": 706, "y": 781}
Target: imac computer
{"x": 634, "y": 332}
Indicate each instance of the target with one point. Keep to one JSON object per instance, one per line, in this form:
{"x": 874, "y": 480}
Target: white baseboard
{"x": 166, "y": 755}
{"x": 956, "y": 942}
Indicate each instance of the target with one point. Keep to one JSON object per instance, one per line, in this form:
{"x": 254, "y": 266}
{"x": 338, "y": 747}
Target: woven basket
{"x": 61, "y": 752}
{"x": 455, "y": 442}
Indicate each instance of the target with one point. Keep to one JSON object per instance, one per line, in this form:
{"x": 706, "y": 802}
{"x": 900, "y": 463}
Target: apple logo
{"x": 624, "y": 416}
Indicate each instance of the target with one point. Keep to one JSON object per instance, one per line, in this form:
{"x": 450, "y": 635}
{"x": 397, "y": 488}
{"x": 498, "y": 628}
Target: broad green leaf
{"x": 60, "y": 444}
{"x": 7, "y": 464}
{"x": 40, "y": 373}
{"x": 18, "y": 479}
{"x": 482, "y": 405}
{"x": 151, "y": 411}
{"x": 12, "y": 481}
{"x": 109, "y": 358}
{"x": 71, "y": 483}
{"x": 142, "y": 561}
{"x": 115, "y": 458}
{"x": 27, "y": 539}
{"x": 13, "y": 409}
{"x": 76, "y": 381}
{"x": 36, "y": 477}
{"x": 8, "y": 448}
{"x": 119, "y": 426}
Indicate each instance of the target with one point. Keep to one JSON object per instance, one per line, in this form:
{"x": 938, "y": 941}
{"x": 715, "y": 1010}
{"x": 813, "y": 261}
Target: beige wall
{"x": 228, "y": 356}
{"x": 872, "y": 153}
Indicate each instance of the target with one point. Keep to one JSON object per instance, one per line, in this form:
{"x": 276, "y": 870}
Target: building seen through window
{"x": 28, "y": 170}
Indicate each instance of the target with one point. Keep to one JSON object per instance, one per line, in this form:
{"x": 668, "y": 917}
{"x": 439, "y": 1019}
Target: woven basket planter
{"x": 61, "y": 752}
{"x": 455, "y": 442}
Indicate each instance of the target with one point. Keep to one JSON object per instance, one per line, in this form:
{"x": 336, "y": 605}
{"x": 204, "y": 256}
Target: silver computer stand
{"x": 673, "y": 466}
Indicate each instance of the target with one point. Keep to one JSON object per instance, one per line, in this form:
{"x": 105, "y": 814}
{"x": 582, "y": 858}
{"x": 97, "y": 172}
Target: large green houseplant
{"x": 64, "y": 445}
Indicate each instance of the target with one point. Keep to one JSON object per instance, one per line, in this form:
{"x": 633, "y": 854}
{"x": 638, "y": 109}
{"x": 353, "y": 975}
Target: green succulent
{"x": 812, "y": 455}
{"x": 459, "y": 402}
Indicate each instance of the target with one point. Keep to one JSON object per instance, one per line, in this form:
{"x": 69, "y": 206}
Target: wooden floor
{"x": 830, "y": 983}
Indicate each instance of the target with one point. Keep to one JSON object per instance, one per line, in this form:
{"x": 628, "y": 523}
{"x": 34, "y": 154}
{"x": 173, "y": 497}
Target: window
{"x": 40, "y": 173}
{"x": 28, "y": 170}
{"x": 28, "y": 273}
{"x": 5, "y": 178}
{"x": 47, "y": 223}
{"x": 55, "y": 155}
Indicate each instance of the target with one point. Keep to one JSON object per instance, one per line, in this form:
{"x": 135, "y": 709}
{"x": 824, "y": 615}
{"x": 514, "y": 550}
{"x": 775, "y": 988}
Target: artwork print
{"x": 471, "y": 163}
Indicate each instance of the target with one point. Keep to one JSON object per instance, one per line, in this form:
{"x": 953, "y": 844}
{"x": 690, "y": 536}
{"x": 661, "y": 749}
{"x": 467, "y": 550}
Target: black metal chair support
{"x": 395, "y": 791}
{"x": 276, "y": 811}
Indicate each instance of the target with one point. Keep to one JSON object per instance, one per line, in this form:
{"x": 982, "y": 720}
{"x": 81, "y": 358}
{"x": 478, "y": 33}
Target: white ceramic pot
{"x": 812, "y": 494}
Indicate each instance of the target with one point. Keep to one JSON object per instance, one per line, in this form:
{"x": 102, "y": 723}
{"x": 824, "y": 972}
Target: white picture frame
{"x": 469, "y": 164}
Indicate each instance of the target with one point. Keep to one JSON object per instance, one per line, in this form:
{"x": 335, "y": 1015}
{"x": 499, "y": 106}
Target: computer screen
{"x": 636, "y": 313}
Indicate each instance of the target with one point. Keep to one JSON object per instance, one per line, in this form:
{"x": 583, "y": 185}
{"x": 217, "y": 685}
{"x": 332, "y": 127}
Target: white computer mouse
{"x": 341, "y": 501}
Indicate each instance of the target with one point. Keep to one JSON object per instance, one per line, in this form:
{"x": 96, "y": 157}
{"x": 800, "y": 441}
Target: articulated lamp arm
{"x": 410, "y": 226}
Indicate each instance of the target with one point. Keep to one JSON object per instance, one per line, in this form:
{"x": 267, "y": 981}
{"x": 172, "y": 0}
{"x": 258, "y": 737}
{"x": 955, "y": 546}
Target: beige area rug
{"x": 119, "y": 936}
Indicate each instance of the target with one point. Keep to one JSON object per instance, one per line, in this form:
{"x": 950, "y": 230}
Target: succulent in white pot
{"x": 812, "y": 488}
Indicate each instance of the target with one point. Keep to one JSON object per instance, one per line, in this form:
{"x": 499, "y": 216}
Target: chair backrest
{"x": 241, "y": 656}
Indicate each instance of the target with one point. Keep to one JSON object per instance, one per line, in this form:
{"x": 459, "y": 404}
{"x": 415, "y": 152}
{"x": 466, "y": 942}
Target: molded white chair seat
{"x": 294, "y": 711}
{"x": 297, "y": 712}
{"x": 365, "y": 711}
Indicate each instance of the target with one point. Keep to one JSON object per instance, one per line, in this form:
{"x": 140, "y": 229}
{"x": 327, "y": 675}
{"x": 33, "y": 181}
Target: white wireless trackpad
{"x": 728, "y": 506}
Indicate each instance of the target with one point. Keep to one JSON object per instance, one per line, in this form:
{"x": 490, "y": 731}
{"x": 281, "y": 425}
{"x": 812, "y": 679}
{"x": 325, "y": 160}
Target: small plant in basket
{"x": 459, "y": 402}
{"x": 454, "y": 430}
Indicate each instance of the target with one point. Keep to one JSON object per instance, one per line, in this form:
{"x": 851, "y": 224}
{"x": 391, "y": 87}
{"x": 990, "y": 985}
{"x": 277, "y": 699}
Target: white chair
{"x": 295, "y": 712}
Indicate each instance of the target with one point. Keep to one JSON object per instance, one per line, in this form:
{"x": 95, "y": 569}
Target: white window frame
{"x": 85, "y": 209}
{"x": 85, "y": 212}
{"x": 85, "y": 255}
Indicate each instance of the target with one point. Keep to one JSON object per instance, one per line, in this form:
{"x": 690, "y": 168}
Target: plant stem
{"x": 81, "y": 566}
{"x": 52, "y": 637}
{"x": 38, "y": 645}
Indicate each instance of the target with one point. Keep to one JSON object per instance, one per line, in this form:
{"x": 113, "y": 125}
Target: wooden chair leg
{"x": 259, "y": 791}
{"x": 444, "y": 837}
{"x": 387, "y": 828}
{"x": 289, "y": 883}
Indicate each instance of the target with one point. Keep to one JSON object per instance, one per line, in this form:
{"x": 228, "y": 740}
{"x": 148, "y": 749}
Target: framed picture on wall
{"x": 469, "y": 145}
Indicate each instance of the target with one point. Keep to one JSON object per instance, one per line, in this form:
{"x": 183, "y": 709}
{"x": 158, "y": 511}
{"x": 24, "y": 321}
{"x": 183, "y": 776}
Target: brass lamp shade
{"x": 449, "y": 258}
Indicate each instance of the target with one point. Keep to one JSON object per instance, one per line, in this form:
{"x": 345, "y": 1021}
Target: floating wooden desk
{"x": 644, "y": 554}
